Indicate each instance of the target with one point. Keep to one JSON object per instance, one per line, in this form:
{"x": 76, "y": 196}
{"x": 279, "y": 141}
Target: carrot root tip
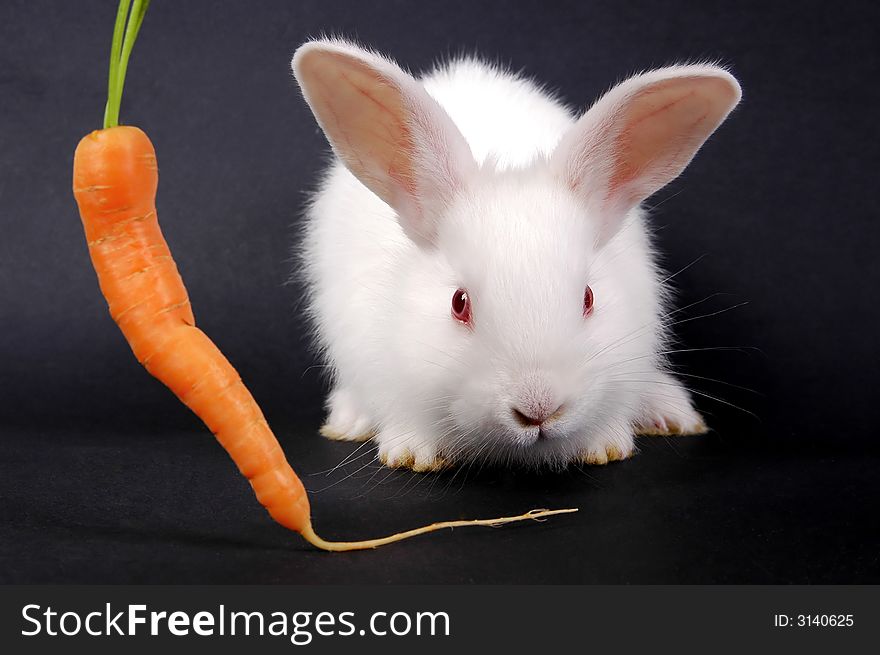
{"x": 540, "y": 515}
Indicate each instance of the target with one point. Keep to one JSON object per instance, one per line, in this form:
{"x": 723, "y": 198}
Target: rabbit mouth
{"x": 534, "y": 428}
{"x": 536, "y": 436}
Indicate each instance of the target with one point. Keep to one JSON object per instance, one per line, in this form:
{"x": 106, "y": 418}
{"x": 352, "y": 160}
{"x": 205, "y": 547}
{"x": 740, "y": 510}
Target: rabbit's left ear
{"x": 641, "y": 135}
{"x": 390, "y": 133}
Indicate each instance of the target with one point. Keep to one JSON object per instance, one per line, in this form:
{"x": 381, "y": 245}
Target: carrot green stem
{"x": 125, "y": 32}
{"x": 115, "y": 49}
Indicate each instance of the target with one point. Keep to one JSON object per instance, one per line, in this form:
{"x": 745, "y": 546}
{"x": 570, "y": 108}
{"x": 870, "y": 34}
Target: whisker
{"x": 683, "y": 269}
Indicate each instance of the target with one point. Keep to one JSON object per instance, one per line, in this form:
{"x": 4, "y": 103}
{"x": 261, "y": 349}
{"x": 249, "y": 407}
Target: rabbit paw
{"x": 668, "y": 411}
{"x": 608, "y": 451}
{"x": 346, "y": 422}
{"x": 418, "y": 457}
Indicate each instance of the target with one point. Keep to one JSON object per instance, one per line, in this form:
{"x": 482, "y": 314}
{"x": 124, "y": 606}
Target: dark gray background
{"x": 105, "y": 477}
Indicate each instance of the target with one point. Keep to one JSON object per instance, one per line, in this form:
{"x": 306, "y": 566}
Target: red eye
{"x": 461, "y": 306}
{"x": 588, "y": 301}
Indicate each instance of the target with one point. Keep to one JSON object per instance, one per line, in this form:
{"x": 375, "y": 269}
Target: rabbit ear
{"x": 640, "y": 136}
{"x": 393, "y": 136}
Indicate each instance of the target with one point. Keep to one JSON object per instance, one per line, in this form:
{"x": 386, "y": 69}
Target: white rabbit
{"x": 481, "y": 281}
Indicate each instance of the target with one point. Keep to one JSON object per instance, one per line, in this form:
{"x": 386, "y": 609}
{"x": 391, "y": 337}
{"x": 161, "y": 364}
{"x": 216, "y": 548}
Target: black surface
{"x": 104, "y": 477}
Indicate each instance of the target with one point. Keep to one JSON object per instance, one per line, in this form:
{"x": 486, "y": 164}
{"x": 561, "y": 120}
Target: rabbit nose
{"x": 536, "y": 401}
{"x": 536, "y": 416}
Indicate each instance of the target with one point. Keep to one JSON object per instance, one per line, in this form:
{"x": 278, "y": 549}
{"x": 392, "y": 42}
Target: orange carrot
{"x": 115, "y": 178}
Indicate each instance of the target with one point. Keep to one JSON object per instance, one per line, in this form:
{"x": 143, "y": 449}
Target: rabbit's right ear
{"x": 640, "y": 136}
{"x": 392, "y": 135}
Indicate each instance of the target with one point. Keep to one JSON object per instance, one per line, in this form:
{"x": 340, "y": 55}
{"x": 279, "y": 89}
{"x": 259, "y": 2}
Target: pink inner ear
{"x": 660, "y": 129}
{"x": 371, "y": 137}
